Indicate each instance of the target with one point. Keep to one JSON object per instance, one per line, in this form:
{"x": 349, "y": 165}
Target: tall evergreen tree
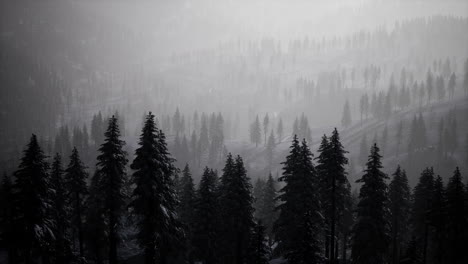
{"x": 259, "y": 250}
{"x": 437, "y": 220}
{"x": 154, "y": 200}
{"x": 399, "y": 204}
{"x": 266, "y": 124}
{"x": 456, "y": 222}
{"x": 33, "y": 197}
{"x": 422, "y": 199}
{"x": 279, "y": 130}
{"x": 75, "y": 181}
{"x": 371, "y": 232}
{"x": 96, "y": 235}
{"x": 297, "y": 227}
{"x": 112, "y": 176}
{"x": 236, "y": 210}
{"x": 207, "y": 219}
{"x": 7, "y": 221}
{"x": 266, "y": 211}
{"x": 61, "y": 212}
{"x": 334, "y": 183}
{"x": 185, "y": 209}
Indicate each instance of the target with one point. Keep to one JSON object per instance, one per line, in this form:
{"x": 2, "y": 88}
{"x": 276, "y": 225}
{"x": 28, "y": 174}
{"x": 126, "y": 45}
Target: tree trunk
{"x": 332, "y": 229}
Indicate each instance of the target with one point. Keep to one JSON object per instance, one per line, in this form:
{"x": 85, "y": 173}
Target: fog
{"x": 245, "y": 78}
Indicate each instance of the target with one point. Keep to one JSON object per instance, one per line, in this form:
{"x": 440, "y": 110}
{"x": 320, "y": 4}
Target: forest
{"x": 233, "y": 132}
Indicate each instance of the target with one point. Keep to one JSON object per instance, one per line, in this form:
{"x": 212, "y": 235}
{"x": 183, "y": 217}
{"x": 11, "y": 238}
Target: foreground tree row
{"x": 50, "y": 215}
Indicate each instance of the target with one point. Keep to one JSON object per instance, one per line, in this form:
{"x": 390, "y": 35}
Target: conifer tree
{"x": 61, "y": 211}
{"x": 236, "y": 210}
{"x": 96, "y": 236}
{"x": 186, "y": 208}
{"x": 259, "y": 251}
{"x": 267, "y": 213}
{"x": 437, "y": 220}
{"x": 266, "y": 123}
{"x": 422, "y": 199}
{"x": 399, "y": 204}
{"x": 207, "y": 219}
{"x": 255, "y": 132}
{"x": 371, "y": 232}
{"x": 279, "y": 130}
{"x": 75, "y": 181}
{"x": 153, "y": 201}
{"x": 112, "y": 176}
{"x": 399, "y": 136}
{"x": 297, "y": 227}
{"x": 346, "y": 117}
{"x": 33, "y": 197}
{"x": 456, "y": 222}
{"x": 7, "y": 222}
{"x": 270, "y": 147}
{"x": 334, "y": 183}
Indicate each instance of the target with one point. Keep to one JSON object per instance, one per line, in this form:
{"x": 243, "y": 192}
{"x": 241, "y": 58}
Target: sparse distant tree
{"x": 346, "y": 119}
{"x": 440, "y": 87}
{"x": 266, "y": 124}
{"x": 429, "y": 85}
{"x": 363, "y": 149}
{"x": 279, "y": 130}
{"x": 451, "y": 85}
{"x": 270, "y": 148}
{"x": 399, "y": 136}
{"x": 465, "y": 80}
{"x": 364, "y": 105}
{"x": 383, "y": 141}
{"x": 255, "y": 132}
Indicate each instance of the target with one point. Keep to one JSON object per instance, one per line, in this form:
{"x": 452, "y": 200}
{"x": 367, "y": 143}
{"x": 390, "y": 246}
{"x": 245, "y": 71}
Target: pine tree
{"x": 270, "y": 148}
{"x": 297, "y": 227}
{"x": 437, "y": 219}
{"x": 186, "y": 206}
{"x": 259, "y": 251}
{"x": 62, "y": 247}
{"x": 451, "y": 85}
{"x": 456, "y": 222}
{"x": 279, "y": 130}
{"x": 266, "y": 123}
{"x": 346, "y": 117}
{"x": 7, "y": 222}
{"x": 153, "y": 201}
{"x": 422, "y": 199}
{"x": 371, "y": 232}
{"x": 399, "y": 136}
{"x": 96, "y": 236}
{"x": 255, "y": 132}
{"x": 266, "y": 211}
{"x": 112, "y": 176}
{"x": 207, "y": 219}
{"x": 236, "y": 210}
{"x": 331, "y": 171}
{"x": 399, "y": 204}
{"x": 75, "y": 182}
{"x": 33, "y": 196}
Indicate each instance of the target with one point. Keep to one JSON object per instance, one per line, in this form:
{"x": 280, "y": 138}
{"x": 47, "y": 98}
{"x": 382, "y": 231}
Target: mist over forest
{"x": 246, "y": 132}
